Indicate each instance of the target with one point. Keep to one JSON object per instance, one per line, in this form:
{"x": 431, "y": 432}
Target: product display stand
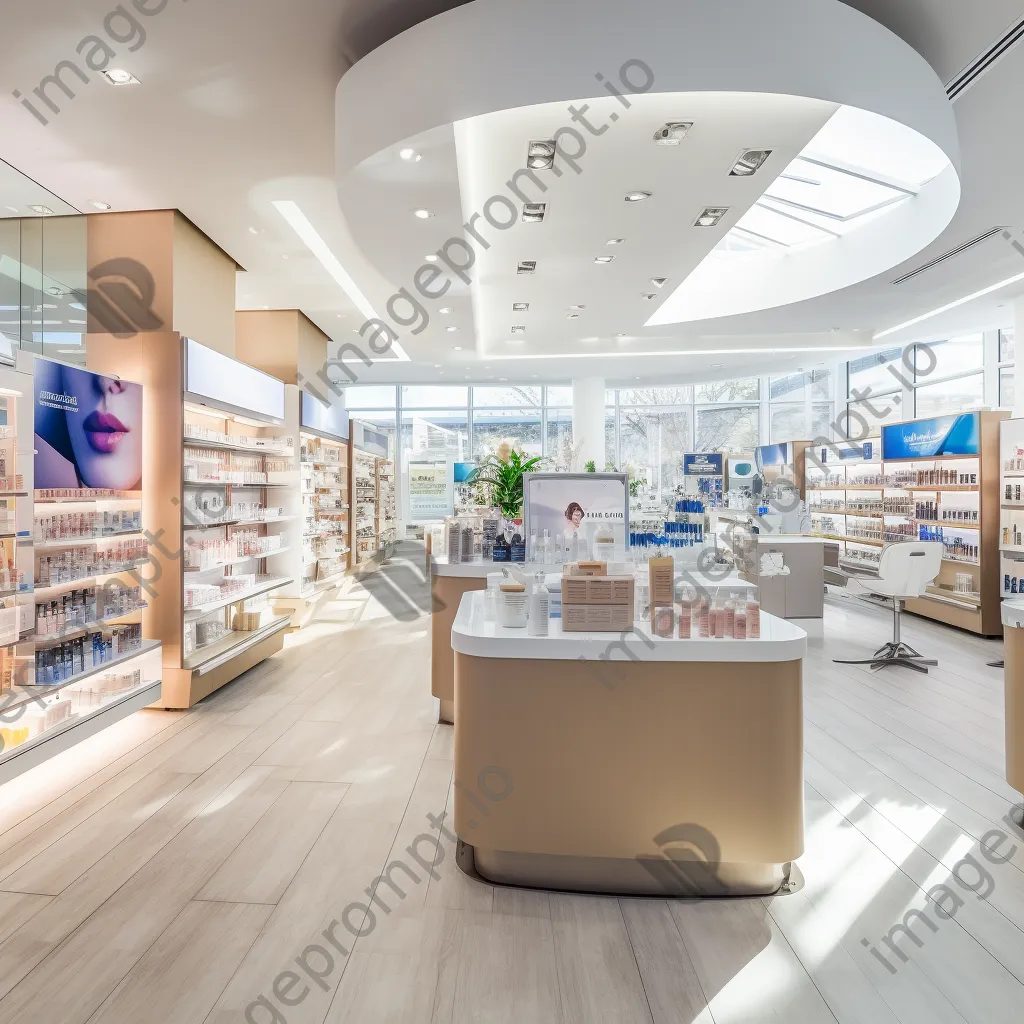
{"x": 325, "y": 512}
{"x": 386, "y": 522}
{"x": 235, "y": 477}
{"x": 364, "y": 507}
{"x": 952, "y": 499}
{"x": 72, "y": 660}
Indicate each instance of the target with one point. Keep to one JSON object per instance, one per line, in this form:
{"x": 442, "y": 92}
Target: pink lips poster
{"x": 88, "y": 429}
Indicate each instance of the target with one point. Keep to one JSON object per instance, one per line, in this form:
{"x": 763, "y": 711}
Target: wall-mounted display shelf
{"x": 934, "y": 479}
{"x": 364, "y": 507}
{"x": 325, "y": 512}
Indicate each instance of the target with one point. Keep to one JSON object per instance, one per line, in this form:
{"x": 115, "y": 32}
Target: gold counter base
{"x": 613, "y": 876}
{"x": 681, "y": 778}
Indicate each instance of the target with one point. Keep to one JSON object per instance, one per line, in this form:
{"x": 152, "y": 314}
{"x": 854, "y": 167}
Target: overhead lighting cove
{"x": 301, "y": 225}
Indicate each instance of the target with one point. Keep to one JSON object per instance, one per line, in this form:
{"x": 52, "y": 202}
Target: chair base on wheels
{"x": 893, "y": 653}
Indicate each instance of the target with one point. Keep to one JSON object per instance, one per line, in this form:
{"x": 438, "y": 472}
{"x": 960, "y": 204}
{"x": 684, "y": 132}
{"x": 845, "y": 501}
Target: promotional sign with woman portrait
{"x": 88, "y": 430}
{"x": 567, "y": 503}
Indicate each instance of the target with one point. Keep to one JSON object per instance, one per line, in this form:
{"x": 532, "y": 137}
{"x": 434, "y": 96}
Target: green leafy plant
{"x": 591, "y": 466}
{"x": 505, "y": 478}
{"x": 634, "y": 487}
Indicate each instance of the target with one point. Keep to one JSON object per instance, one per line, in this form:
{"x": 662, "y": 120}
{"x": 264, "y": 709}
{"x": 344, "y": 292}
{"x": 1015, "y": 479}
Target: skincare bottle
{"x": 518, "y": 548}
{"x": 545, "y": 548}
{"x": 538, "y": 621}
{"x": 604, "y": 543}
{"x": 753, "y": 618}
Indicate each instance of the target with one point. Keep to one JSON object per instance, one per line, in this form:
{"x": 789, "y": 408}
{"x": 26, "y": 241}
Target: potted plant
{"x": 503, "y": 473}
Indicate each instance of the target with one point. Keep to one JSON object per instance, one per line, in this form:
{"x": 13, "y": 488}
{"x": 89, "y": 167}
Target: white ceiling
{"x": 236, "y": 109}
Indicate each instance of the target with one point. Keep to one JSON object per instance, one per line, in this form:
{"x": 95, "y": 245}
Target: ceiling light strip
{"x": 952, "y": 305}
{"x": 688, "y": 352}
{"x": 985, "y": 61}
{"x": 301, "y": 225}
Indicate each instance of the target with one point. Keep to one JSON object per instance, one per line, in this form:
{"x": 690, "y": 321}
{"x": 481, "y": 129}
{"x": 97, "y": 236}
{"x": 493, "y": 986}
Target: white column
{"x": 588, "y": 420}
{"x": 1018, "y": 378}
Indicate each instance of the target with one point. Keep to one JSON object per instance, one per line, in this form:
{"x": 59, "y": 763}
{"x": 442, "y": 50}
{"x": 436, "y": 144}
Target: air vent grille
{"x": 947, "y": 255}
{"x": 985, "y": 61}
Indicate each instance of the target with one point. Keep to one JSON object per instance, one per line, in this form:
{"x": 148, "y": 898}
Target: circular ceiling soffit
{"x": 858, "y": 150}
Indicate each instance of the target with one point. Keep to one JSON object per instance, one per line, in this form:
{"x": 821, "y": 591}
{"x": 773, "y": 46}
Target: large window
{"x": 728, "y": 429}
{"x": 951, "y": 395}
{"x": 652, "y": 442}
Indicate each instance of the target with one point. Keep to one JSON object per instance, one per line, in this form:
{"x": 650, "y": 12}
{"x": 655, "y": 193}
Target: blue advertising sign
{"x": 959, "y": 434}
{"x": 702, "y": 464}
{"x": 863, "y": 451}
{"x": 773, "y": 455}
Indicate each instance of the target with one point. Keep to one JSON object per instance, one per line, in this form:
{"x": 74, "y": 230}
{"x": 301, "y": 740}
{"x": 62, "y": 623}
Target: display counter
{"x": 626, "y": 763}
{"x": 1013, "y": 656}
{"x": 800, "y": 593}
{"x": 448, "y": 582}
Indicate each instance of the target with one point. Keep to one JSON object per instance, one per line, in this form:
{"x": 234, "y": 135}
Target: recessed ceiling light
{"x": 572, "y": 316}
{"x": 672, "y": 133}
{"x": 451, "y": 329}
{"x": 648, "y": 295}
{"x": 659, "y": 282}
{"x": 446, "y": 310}
{"x": 422, "y": 214}
{"x": 619, "y": 335}
{"x": 540, "y": 155}
{"x": 615, "y": 241}
{"x": 716, "y": 366}
{"x": 526, "y": 267}
{"x": 43, "y": 211}
{"x": 603, "y": 259}
{"x": 456, "y": 348}
{"x": 100, "y": 205}
{"x": 118, "y": 76}
{"x": 533, "y": 213}
{"x": 637, "y": 197}
{"x": 410, "y": 154}
{"x": 520, "y": 307}
{"x": 577, "y": 307}
{"x": 519, "y": 329}
{"x": 437, "y": 366}
{"x": 748, "y": 162}
{"x": 431, "y": 258}
{"x": 710, "y": 216}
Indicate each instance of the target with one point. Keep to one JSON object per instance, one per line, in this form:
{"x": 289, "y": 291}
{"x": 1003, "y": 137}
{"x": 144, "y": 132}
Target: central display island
{"x": 628, "y": 763}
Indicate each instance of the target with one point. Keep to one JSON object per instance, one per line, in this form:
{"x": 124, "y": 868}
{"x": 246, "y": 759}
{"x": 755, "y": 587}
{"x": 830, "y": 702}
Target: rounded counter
{"x": 449, "y": 581}
{"x": 627, "y": 763}
{"x": 1012, "y": 612}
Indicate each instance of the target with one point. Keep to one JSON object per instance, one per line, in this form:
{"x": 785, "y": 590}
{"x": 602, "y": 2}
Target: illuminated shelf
{"x": 207, "y": 658}
{"x": 195, "y": 442}
{"x": 88, "y": 627}
{"x": 238, "y": 522}
{"x": 92, "y": 538}
{"x": 264, "y": 586}
{"x": 36, "y": 691}
{"x": 236, "y": 561}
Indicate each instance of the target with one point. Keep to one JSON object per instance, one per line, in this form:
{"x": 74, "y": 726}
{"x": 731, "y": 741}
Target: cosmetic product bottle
{"x": 730, "y": 618}
{"x": 753, "y": 618}
{"x": 501, "y": 552}
{"x": 684, "y": 622}
{"x": 604, "y": 543}
{"x": 517, "y": 549}
{"x": 739, "y": 629}
{"x": 538, "y": 620}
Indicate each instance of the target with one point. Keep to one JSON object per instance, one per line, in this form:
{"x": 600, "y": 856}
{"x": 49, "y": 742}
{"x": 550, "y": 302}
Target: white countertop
{"x": 472, "y": 634}
{"x": 781, "y": 538}
{"x": 684, "y": 576}
{"x": 1013, "y": 613}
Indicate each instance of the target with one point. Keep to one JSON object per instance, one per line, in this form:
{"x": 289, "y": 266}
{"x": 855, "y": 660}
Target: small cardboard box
{"x": 597, "y": 618}
{"x": 585, "y": 569}
{"x": 598, "y": 590}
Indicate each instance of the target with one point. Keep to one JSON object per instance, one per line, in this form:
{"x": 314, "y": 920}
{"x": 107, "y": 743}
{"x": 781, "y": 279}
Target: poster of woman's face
{"x": 88, "y": 429}
{"x": 566, "y": 503}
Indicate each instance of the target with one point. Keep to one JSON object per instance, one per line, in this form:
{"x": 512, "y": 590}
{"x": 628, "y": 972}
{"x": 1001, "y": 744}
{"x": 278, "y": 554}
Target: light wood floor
{"x": 169, "y": 870}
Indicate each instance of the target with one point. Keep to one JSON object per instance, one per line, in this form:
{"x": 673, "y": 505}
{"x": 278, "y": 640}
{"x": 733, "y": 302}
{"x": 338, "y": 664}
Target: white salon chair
{"x": 904, "y": 571}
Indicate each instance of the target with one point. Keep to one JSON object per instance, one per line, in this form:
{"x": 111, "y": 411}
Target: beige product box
{"x": 661, "y": 575}
{"x": 585, "y": 569}
{"x": 597, "y": 618}
{"x": 597, "y": 590}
